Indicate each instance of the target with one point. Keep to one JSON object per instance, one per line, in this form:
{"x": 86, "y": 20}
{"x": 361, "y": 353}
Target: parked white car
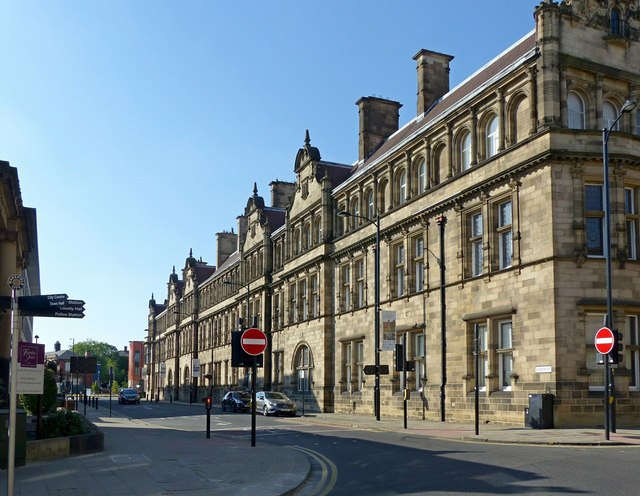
{"x": 274, "y": 403}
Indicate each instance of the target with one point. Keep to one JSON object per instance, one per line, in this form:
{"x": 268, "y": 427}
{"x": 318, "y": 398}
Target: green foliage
{"x": 48, "y": 398}
{"x": 115, "y": 387}
{"x": 62, "y": 423}
{"x": 95, "y": 387}
{"x": 107, "y": 356}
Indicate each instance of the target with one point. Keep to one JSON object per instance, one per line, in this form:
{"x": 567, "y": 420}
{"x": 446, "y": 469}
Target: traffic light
{"x": 208, "y": 402}
{"x": 399, "y": 357}
{"x": 616, "y": 355}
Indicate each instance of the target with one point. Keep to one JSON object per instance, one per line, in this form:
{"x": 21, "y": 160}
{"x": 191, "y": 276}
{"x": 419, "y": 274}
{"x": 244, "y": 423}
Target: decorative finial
{"x": 255, "y": 189}
{"x": 174, "y": 269}
{"x": 307, "y": 140}
{"x": 190, "y": 252}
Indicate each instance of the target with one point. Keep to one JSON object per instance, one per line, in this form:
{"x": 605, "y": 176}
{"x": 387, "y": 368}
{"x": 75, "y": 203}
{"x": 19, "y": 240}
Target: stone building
{"x": 18, "y": 257}
{"x": 497, "y": 184}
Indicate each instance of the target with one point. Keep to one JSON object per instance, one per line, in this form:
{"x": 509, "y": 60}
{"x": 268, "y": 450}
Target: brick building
{"x": 503, "y": 176}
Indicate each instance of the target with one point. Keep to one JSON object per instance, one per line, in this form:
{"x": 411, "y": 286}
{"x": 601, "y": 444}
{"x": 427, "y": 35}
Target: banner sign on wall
{"x": 388, "y": 330}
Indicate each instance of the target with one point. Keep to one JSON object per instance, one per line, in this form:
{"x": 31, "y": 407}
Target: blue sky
{"x": 139, "y": 127}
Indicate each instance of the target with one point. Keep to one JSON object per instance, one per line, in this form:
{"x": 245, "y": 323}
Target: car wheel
{"x": 235, "y": 408}
{"x": 265, "y": 411}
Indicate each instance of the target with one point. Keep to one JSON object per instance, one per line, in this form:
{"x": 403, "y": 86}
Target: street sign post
{"x": 604, "y": 340}
{"x": 253, "y": 341}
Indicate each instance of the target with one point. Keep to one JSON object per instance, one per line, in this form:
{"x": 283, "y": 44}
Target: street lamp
{"x": 628, "y": 106}
{"x": 376, "y": 331}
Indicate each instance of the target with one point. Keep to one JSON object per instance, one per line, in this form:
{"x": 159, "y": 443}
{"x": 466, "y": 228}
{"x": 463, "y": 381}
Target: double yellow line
{"x": 329, "y": 472}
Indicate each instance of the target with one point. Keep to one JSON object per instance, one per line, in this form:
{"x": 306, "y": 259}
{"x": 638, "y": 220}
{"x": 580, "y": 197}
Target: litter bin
{"x": 20, "y": 432}
{"x": 540, "y": 411}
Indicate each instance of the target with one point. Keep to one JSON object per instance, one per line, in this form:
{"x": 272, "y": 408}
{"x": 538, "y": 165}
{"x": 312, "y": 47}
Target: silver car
{"x": 273, "y": 403}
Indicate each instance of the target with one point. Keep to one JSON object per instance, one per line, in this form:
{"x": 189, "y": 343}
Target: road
{"x": 352, "y": 462}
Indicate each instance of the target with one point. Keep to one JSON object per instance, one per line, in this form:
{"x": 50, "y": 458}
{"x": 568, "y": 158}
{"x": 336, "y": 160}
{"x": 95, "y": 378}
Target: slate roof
{"x": 503, "y": 61}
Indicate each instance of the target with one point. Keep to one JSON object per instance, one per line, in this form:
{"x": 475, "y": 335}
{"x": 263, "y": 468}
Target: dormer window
{"x": 618, "y": 29}
{"x": 615, "y": 25}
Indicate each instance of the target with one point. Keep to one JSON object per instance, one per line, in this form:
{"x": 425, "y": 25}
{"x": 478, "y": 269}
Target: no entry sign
{"x": 604, "y": 340}
{"x": 253, "y": 341}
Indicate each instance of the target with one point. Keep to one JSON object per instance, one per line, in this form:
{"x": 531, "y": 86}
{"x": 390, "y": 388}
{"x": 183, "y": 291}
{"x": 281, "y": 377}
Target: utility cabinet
{"x": 540, "y": 411}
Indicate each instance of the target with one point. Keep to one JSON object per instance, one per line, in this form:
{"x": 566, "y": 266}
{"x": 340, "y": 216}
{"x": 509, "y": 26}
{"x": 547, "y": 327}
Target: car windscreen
{"x": 275, "y": 396}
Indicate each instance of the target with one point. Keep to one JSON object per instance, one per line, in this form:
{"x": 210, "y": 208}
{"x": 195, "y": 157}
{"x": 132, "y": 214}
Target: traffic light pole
{"x": 254, "y": 369}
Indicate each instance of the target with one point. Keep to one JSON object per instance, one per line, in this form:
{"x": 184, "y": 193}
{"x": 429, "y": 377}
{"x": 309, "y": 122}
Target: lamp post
{"x": 376, "y": 330}
{"x": 609, "y": 410}
{"x": 442, "y": 221}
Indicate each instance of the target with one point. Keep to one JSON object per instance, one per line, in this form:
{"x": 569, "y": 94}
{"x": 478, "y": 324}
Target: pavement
{"x": 142, "y": 459}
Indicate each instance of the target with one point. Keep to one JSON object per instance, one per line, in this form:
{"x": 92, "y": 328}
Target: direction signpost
{"x": 253, "y": 342}
{"x": 56, "y": 305}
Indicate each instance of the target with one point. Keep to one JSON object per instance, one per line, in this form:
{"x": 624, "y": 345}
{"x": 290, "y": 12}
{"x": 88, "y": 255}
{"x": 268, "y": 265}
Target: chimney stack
{"x": 378, "y": 120}
{"x": 282, "y": 193}
{"x": 226, "y": 244}
{"x": 433, "y": 77}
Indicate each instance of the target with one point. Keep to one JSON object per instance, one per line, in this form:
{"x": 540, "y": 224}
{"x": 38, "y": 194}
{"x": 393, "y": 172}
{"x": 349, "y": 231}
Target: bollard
{"x": 96, "y": 402}
{"x": 208, "y": 403}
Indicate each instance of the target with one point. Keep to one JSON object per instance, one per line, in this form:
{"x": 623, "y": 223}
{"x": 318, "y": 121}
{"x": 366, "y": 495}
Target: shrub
{"x": 62, "y": 423}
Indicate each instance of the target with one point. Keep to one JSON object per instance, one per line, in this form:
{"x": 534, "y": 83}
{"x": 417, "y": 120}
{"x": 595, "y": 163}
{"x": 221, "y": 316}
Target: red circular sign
{"x": 253, "y": 341}
{"x": 604, "y": 340}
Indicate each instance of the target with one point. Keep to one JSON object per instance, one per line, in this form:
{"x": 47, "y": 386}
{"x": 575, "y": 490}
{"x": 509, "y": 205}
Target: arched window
{"x": 382, "y": 197}
{"x": 186, "y": 378}
{"x": 355, "y": 212}
{"x": 616, "y": 28}
{"x": 520, "y": 120}
{"x": 170, "y": 378}
{"x": 296, "y": 241}
{"x": 317, "y": 230}
{"x": 465, "y": 151}
{"x": 609, "y": 114}
{"x": 303, "y": 368}
{"x": 402, "y": 187}
{"x": 370, "y": 205}
{"x": 493, "y": 137}
{"x": 575, "y": 107}
{"x": 341, "y": 222}
{"x": 307, "y": 236}
{"x": 422, "y": 176}
{"x": 439, "y": 161}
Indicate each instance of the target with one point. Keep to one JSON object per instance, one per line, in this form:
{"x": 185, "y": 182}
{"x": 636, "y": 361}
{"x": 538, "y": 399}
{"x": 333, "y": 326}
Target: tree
{"x": 106, "y": 354}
